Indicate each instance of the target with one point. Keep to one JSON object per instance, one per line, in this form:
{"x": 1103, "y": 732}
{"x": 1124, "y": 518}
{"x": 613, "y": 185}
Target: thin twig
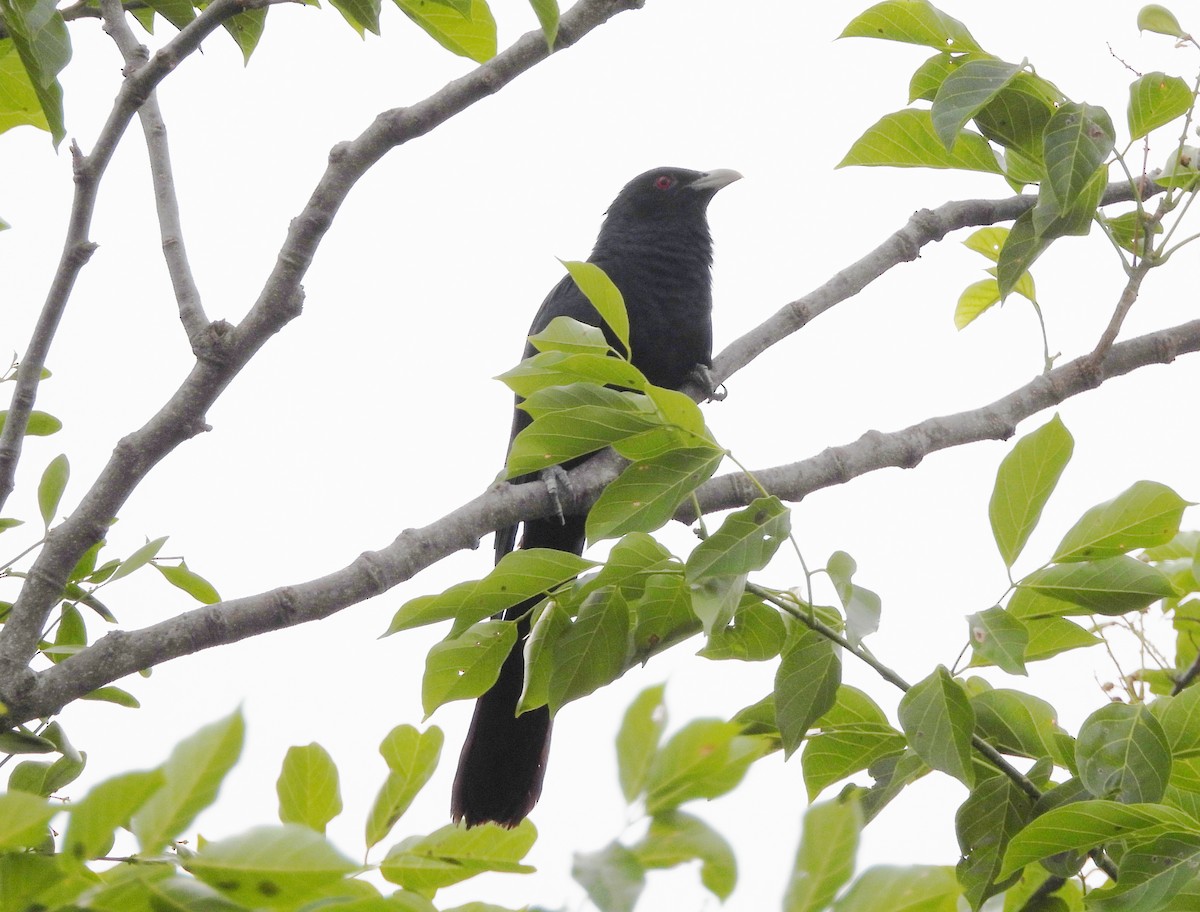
{"x": 187, "y": 295}
{"x": 1129, "y": 295}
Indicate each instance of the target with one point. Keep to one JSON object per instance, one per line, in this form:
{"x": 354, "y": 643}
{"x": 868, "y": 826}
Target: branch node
{"x": 376, "y": 570}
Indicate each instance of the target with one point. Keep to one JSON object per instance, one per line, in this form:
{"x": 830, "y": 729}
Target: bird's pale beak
{"x": 715, "y": 180}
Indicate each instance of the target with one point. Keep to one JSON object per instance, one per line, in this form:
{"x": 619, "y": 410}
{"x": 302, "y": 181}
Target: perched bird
{"x": 655, "y": 246}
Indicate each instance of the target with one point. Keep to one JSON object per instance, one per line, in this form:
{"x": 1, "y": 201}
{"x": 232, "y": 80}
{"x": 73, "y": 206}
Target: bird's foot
{"x": 557, "y": 482}
{"x": 702, "y": 375}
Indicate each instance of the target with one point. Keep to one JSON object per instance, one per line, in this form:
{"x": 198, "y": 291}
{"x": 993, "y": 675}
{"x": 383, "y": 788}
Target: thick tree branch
{"x": 187, "y": 295}
{"x": 227, "y": 349}
{"x": 375, "y": 572}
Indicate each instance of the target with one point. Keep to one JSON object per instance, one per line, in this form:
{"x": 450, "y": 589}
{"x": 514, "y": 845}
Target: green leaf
{"x": 139, "y": 558}
{"x": 556, "y": 437}
{"x": 1145, "y": 515}
{"x": 452, "y": 854}
{"x": 714, "y": 600}
{"x": 861, "y": 606}
{"x": 40, "y": 424}
{"x": 1112, "y": 586}
{"x": 568, "y": 335}
{"x": 363, "y": 15}
{"x": 472, "y": 36}
{"x": 593, "y": 651}
{"x": 465, "y": 666}
{"x": 1156, "y": 99}
{"x": 1181, "y": 169}
{"x": 1016, "y": 119}
{"x": 913, "y": 22}
{"x": 892, "y": 774}
{"x": 676, "y": 837}
{"x": 411, "y": 756}
{"x": 938, "y": 721}
{"x": 704, "y": 759}
{"x": 1082, "y": 825}
{"x": 178, "y": 12}
{"x": 1018, "y": 723}
{"x": 108, "y": 805}
{"x": 825, "y": 858}
{"x": 22, "y": 742}
{"x": 19, "y": 103}
{"x": 1152, "y": 874}
{"x": 51, "y": 487}
{"x": 966, "y": 91}
{"x": 547, "y": 13}
{"x": 613, "y": 877}
{"x": 987, "y": 241}
{"x": 994, "y": 812}
{"x": 603, "y": 295}
{"x": 912, "y": 888}
{"x": 39, "y": 34}
{"x": 637, "y": 739}
{"x": 1122, "y": 753}
{"x": 907, "y": 139}
{"x": 560, "y": 368}
{"x": 1077, "y": 140}
{"x": 1024, "y": 482}
{"x": 664, "y": 613}
{"x": 193, "y": 775}
{"x": 111, "y": 694}
{"x": 930, "y": 75}
{"x": 183, "y": 577}
{"x": 758, "y": 633}
{"x": 1154, "y": 17}
{"x": 308, "y": 787}
{"x": 518, "y": 576}
{"x": 647, "y": 493}
{"x": 998, "y": 638}
{"x": 1022, "y": 247}
{"x": 23, "y": 819}
{"x": 747, "y": 540}
{"x": 1050, "y": 636}
{"x": 851, "y": 736}
{"x": 1134, "y": 230}
{"x": 270, "y": 865}
{"x": 806, "y": 685}
{"x": 246, "y": 29}
{"x": 550, "y": 622}
{"x": 974, "y": 300}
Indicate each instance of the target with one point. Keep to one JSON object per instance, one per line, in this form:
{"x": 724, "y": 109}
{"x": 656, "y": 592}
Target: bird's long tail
{"x": 503, "y": 759}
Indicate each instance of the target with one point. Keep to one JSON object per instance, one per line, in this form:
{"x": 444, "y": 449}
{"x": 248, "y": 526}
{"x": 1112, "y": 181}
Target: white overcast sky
{"x": 375, "y": 410}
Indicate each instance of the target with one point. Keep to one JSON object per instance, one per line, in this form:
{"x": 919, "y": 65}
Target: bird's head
{"x": 670, "y": 194}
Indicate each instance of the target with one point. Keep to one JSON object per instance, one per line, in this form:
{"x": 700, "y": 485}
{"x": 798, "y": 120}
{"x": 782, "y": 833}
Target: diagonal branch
{"x": 225, "y": 350}
{"x": 375, "y": 572}
{"x": 187, "y": 295}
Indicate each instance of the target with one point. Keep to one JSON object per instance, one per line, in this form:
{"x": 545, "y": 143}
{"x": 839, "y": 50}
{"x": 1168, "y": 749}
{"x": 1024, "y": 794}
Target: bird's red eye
{"x": 664, "y": 182}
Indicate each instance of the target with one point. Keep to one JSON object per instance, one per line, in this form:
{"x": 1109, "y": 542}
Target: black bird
{"x": 656, "y": 247}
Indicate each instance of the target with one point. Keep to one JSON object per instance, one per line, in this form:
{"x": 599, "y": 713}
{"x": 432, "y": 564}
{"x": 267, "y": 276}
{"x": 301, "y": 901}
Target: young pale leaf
{"x": 648, "y": 493}
{"x": 518, "y": 576}
{"x": 139, "y": 558}
{"x": 111, "y": 694}
{"x": 974, "y": 300}
{"x": 1084, "y": 824}
{"x": 676, "y": 837}
{"x": 39, "y": 35}
{"x": 613, "y": 877}
{"x": 558, "y": 368}
{"x": 907, "y": 139}
{"x": 40, "y": 424}
{"x": 1110, "y": 586}
{"x": 270, "y": 865}
{"x": 599, "y": 289}
{"x": 862, "y": 607}
{"x": 994, "y": 812}
{"x": 806, "y": 685}
{"x": 714, "y": 600}
{"x": 411, "y": 756}
{"x": 998, "y": 638}
{"x": 308, "y": 787}
{"x": 912, "y": 888}
{"x": 22, "y": 742}
{"x": 565, "y": 334}
{"x": 637, "y": 739}
{"x": 966, "y": 91}
{"x": 452, "y": 854}
{"x": 747, "y": 540}
{"x": 472, "y": 36}
{"x": 23, "y": 819}
{"x": 193, "y": 775}
{"x": 1145, "y": 515}
{"x": 107, "y": 806}
{"x": 593, "y": 651}
{"x": 938, "y": 721}
{"x": 1076, "y": 142}
{"x": 825, "y": 858}
{"x": 1024, "y": 482}
{"x": 51, "y": 487}
{"x": 183, "y": 577}
{"x": 547, "y": 13}
{"x": 1156, "y": 99}
{"x": 704, "y": 759}
{"x": 1122, "y": 753}
{"x": 1154, "y": 17}
{"x": 557, "y": 437}
{"x": 680, "y": 411}
{"x": 913, "y": 22}
{"x": 465, "y": 666}
{"x": 1134, "y": 231}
